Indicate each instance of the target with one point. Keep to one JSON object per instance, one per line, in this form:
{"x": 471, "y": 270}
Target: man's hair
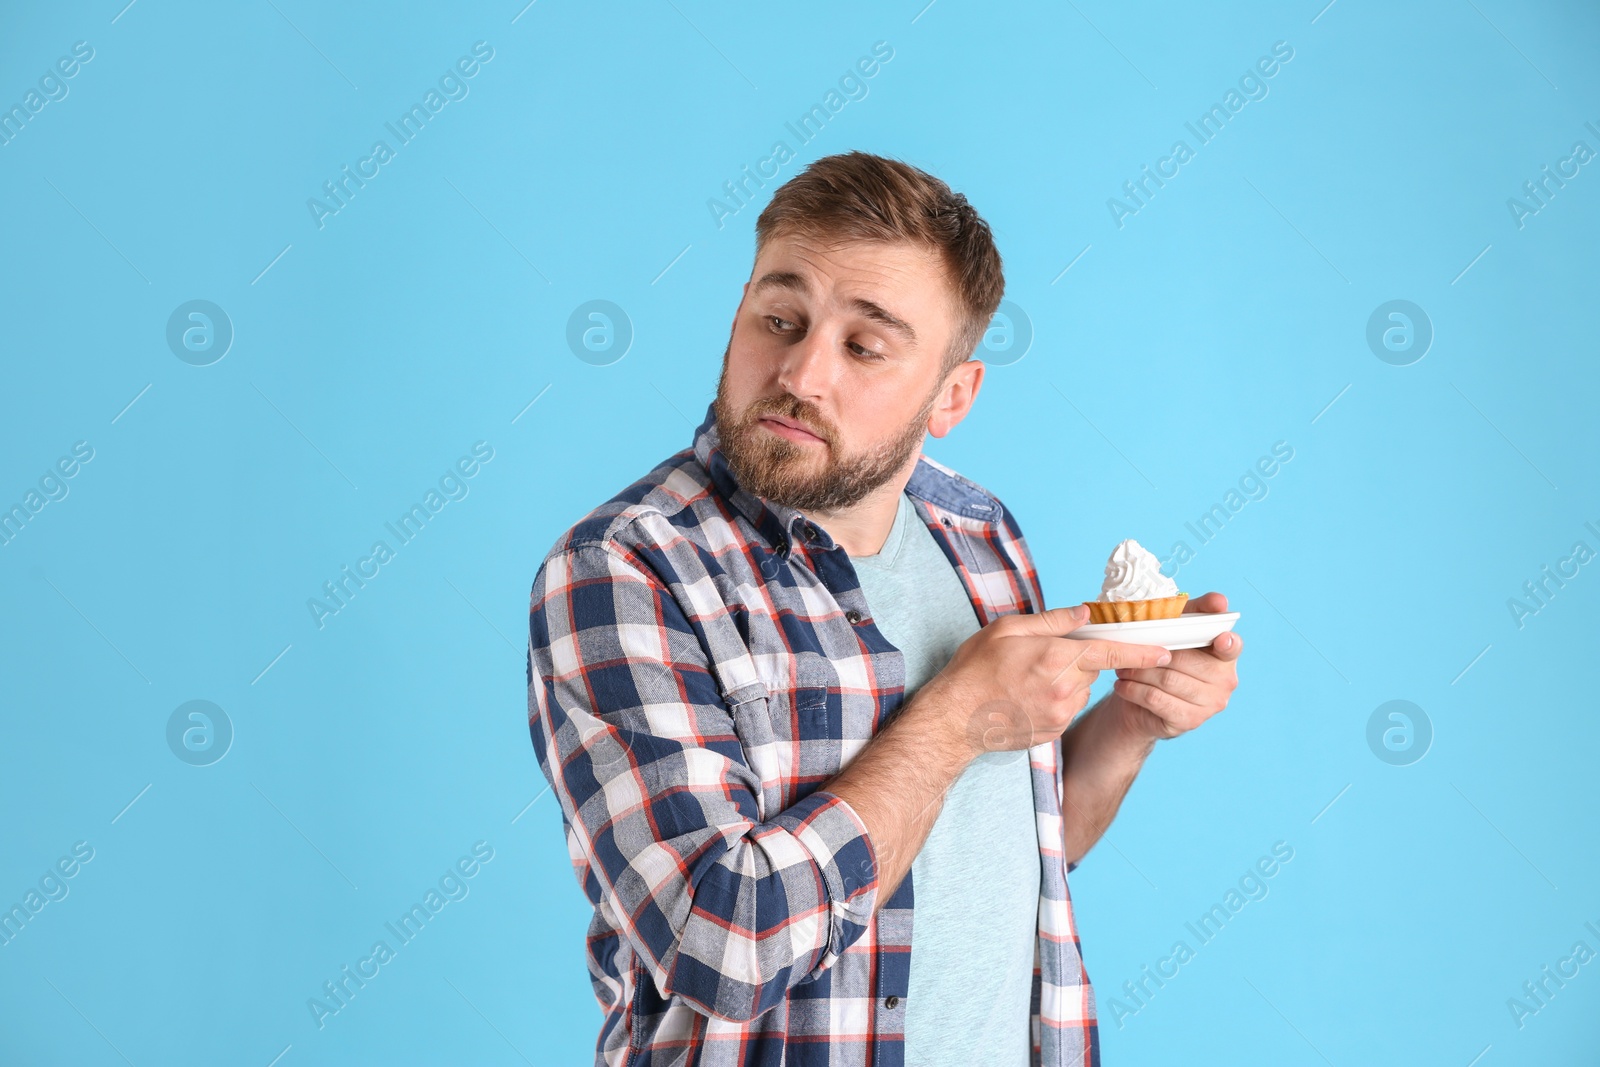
{"x": 860, "y": 196}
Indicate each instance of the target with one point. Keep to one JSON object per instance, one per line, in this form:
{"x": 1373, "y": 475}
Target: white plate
{"x": 1194, "y": 630}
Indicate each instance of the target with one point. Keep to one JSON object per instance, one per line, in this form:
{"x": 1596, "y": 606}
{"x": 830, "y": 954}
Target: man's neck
{"x": 863, "y": 527}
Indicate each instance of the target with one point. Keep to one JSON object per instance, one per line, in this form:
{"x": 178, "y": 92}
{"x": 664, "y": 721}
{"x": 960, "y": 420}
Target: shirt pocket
{"x": 791, "y": 727}
{"x": 752, "y": 724}
{"x": 807, "y": 722}
{"x": 811, "y": 712}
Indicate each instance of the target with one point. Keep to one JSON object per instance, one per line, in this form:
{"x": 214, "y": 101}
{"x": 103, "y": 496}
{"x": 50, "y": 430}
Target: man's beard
{"x": 774, "y": 467}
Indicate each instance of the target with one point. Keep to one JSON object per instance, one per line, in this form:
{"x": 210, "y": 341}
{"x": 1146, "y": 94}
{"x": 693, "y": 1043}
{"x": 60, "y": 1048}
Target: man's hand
{"x": 1163, "y": 702}
{"x": 1022, "y": 685}
{"x": 1014, "y": 684}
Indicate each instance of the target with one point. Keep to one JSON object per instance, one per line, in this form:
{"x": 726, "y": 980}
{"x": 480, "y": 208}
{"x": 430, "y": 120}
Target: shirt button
{"x": 811, "y": 533}
{"x": 780, "y": 547}
{"x": 853, "y": 615}
{"x": 946, "y": 521}
{"x": 891, "y": 1002}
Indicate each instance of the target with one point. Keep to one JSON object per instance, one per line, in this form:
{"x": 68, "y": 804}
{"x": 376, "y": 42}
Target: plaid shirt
{"x": 701, "y": 661}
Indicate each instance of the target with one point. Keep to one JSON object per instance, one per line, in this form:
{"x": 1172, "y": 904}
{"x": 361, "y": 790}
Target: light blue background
{"x": 425, "y": 316}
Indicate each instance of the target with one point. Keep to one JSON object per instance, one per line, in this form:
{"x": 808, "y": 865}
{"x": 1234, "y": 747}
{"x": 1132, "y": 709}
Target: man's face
{"x": 847, "y": 341}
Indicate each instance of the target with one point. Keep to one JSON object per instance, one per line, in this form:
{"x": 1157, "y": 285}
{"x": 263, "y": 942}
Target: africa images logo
{"x": 852, "y": 86}
{"x": 1211, "y": 122}
{"x": 454, "y": 485}
{"x": 452, "y": 86}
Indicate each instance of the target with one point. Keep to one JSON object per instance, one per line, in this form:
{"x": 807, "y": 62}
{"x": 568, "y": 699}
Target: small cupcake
{"x": 1135, "y": 590}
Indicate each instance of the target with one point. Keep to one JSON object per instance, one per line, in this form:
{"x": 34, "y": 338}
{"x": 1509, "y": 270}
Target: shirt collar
{"x": 781, "y": 524}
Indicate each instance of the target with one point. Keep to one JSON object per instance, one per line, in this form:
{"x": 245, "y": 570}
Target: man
{"x": 799, "y": 698}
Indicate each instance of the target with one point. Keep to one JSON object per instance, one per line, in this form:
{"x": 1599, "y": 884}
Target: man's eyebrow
{"x": 784, "y": 279}
{"x": 878, "y": 314}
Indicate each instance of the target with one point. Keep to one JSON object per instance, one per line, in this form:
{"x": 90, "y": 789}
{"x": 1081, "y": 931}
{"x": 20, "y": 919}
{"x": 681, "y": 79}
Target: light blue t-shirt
{"x": 976, "y": 882}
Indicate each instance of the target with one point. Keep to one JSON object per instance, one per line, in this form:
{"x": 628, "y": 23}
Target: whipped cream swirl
{"x": 1133, "y": 573}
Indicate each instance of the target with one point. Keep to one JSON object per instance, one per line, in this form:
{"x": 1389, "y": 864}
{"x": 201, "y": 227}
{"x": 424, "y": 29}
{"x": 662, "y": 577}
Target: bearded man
{"x": 815, "y": 737}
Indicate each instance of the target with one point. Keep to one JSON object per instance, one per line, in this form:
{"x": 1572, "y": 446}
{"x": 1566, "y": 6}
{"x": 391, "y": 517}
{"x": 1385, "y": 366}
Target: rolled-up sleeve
{"x": 726, "y": 909}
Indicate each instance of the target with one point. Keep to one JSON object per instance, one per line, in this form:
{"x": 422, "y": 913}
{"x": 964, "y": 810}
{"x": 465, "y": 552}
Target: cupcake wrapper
{"x": 1167, "y": 607}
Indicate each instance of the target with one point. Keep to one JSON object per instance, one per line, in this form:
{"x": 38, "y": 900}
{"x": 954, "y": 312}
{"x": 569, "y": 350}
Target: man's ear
{"x": 956, "y": 397}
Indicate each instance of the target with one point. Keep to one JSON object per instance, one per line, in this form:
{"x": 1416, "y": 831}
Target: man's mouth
{"x": 789, "y": 428}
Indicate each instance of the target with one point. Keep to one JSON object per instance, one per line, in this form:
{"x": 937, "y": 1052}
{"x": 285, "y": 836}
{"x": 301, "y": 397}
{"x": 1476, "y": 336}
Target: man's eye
{"x": 866, "y": 353}
{"x": 778, "y": 324}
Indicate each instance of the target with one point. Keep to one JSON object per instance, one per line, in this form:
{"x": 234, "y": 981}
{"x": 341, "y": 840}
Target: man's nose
{"x": 807, "y": 367}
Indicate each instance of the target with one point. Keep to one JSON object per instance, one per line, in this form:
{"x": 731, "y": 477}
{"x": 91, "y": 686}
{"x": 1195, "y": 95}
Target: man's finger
{"x": 1056, "y": 622}
{"x": 1209, "y": 604}
{"x": 1175, "y": 711}
{"x": 1112, "y": 655}
{"x": 1169, "y": 680}
{"x": 1227, "y": 647}
{"x": 1207, "y": 664}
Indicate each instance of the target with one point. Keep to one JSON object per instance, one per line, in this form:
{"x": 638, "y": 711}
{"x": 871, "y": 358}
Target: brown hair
{"x": 860, "y": 196}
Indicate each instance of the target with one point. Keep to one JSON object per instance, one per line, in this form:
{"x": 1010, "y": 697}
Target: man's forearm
{"x": 1100, "y": 757}
{"x": 897, "y": 783}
